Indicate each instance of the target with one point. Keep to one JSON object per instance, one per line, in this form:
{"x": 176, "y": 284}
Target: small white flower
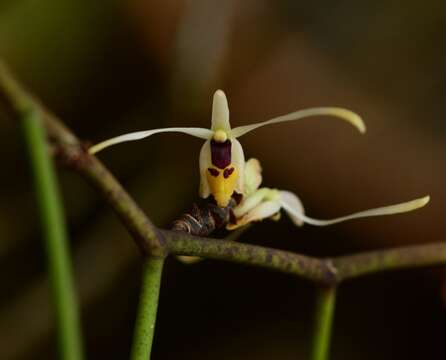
{"x": 266, "y": 203}
{"x": 222, "y": 160}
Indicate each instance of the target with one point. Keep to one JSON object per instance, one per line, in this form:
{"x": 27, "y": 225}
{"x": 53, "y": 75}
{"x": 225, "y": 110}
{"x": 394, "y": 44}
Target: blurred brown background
{"x": 108, "y": 67}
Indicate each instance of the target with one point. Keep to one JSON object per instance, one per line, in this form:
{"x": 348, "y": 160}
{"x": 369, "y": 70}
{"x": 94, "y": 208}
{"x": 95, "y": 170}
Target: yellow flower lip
{"x": 220, "y": 136}
{"x": 222, "y": 183}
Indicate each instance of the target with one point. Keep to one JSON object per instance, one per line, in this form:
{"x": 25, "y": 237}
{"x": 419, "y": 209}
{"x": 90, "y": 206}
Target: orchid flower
{"x": 262, "y": 203}
{"x": 222, "y": 160}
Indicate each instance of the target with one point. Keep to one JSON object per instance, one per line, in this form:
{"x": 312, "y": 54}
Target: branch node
{"x": 332, "y": 271}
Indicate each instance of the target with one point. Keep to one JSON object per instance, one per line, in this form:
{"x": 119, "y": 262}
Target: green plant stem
{"x": 325, "y": 306}
{"x": 54, "y": 231}
{"x": 147, "y": 308}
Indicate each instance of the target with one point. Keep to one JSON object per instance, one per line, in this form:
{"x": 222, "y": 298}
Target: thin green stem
{"x": 326, "y": 299}
{"x": 147, "y": 309}
{"x": 56, "y": 242}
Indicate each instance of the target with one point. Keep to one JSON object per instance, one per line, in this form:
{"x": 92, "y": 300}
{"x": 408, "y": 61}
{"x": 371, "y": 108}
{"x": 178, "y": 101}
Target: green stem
{"x": 56, "y": 242}
{"x": 326, "y": 298}
{"x": 147, "y": 309}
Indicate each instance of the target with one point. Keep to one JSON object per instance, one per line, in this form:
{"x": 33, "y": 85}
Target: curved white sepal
{"x": 386, "y": 210}
{"x": 292, "y": 202}
{"x": 262, "y": 211}
{"x": 201, "y": 133}
{"x": 250, "y": 202}
{"x": 341, "y": 113}
{"x": 238, "y": 160}
{"x": 253, "y": 176}
{"x": 220, "y": 112}
{"x": 205, "y": 162}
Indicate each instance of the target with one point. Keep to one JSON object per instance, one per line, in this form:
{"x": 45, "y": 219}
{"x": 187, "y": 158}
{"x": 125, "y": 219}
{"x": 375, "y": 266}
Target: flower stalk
{"x": 147, "y": 308}
{"x": 325, "y": 307}
{"x": 55, "y": 236}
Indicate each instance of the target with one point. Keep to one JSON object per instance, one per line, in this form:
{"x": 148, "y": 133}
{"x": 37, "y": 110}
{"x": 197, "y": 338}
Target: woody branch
{"x": 159, "y": 243}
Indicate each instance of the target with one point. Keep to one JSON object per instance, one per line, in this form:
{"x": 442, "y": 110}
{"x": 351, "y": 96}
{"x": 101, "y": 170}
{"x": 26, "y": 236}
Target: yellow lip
{"x": 222, "y": 183}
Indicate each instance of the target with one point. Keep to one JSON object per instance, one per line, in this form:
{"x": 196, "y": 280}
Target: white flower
{"x": 266, "y": 203}
{"x": 222, "y": 159}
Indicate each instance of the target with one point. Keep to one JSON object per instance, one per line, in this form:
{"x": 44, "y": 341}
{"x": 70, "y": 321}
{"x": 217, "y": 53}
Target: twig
{"x": 356, "y": 265}
{"x": 306, "y": 267}
{"x": 328, "y": 271}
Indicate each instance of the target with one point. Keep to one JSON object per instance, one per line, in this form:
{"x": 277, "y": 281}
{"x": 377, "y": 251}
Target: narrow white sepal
{"x": 201, "y": 133}
{"x": 341, "y": 113}
{"x": 220, "y": 112}
{"x": 386, "y": 210}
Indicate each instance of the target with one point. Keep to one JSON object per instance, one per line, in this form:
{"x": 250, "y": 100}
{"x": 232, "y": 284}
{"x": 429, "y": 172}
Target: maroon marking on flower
{"x": 213, "y": 172}
{"x": 221, "y": 153}
{"x": 228, "y": 172}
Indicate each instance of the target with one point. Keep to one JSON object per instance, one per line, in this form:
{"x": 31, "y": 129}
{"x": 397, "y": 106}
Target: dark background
{"x": 109, "y": 67}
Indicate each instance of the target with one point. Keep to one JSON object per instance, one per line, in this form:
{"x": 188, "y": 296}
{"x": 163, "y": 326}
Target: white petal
{"x": 253, "y": 176}
{"x": 341, "y": 113}
{"x": 205, "y": 161}
{"x": 292, "y": 202}
{"x": 250, "y": 202}
{"x": 220, "y": 112}
{"x": 238, "y": 160}
{"x": 262, "y": 211}
{"x": 201, "y": 133}
{"x": 386, "y": 210}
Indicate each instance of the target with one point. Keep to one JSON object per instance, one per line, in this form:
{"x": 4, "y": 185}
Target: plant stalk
{"x": 55, "y": 236}
{"x": 147, "y": 308}
{"x": 325, "y": 306}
